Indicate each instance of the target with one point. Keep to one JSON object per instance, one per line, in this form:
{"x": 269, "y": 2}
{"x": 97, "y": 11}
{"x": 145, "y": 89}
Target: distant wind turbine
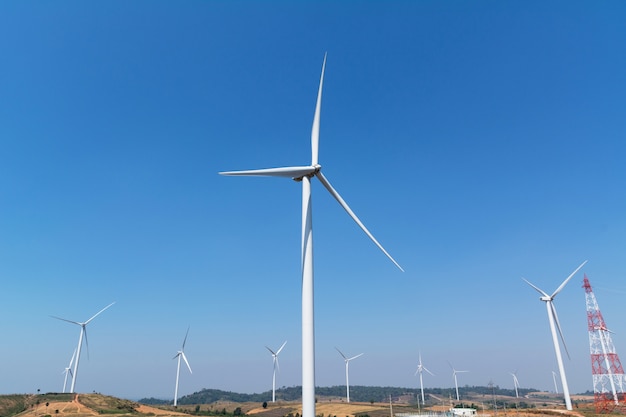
{"x": 347, "y": 360}
{"x": 304, "y": 174}
{"x": 180, "y": 354}
{"x": 420, "y": 369}
{"x": 83, "y": 334}
{"x": 456, "y": 384}
{"x": 276, "y": 367}
{"x": 556, "y": 387}
{"x": 515, "y": 383}
{"x": 68, "y": 370}
{"x": 554, "y": 326}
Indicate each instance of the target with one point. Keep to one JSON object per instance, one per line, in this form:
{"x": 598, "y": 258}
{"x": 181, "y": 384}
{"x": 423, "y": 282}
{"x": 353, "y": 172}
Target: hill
{"x": 90, "y": 405}
{"x": 358, "y": 393}
{"x": 373, "y": 401}
{"x": 75, "y": 405}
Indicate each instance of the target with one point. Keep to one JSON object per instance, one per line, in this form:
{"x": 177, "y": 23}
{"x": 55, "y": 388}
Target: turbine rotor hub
{"x": 314, "y": 170}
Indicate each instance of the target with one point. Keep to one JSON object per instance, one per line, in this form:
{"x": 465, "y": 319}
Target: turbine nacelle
{"x": 316, "y": 168}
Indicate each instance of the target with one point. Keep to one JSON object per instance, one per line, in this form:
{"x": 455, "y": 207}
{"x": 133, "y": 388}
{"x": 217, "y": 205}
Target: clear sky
{"x": 480, "y": 142}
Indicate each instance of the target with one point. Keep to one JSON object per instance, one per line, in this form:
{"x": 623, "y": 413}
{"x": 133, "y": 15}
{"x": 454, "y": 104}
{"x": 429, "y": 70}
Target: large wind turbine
{"x": 68, "y": 370}
{"x": 83, "y": 334}
{"x": 420, "y": 369}
{"x": 347, "y": 360}
{"x": 456, "y": 384}
{"x": 304, "y": 174}
{"x": 180, "y": 354}
{"x": 276, "y": 367}
{"x": 554, "y": 326}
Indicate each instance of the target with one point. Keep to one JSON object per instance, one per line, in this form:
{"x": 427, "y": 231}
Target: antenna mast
{"x": 609, "y": 382}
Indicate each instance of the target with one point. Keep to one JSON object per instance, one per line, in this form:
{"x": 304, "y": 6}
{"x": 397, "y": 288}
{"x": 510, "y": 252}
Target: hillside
{"x": 70, "y": 405}
{"x": 504, "y": 398}
{"x": 90, "y": 405}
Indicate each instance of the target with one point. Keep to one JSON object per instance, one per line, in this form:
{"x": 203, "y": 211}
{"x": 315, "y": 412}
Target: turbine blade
{"x": 95, "y": 315}
{"x": 515, "y": 380}
{"x": 345, "y": 206}
{"x": 342, "y": 355}
{"x": 426, "y": 369}
{"x": 315, "y": 130}
{"x": 567, "y": 279}
{"x": 354, "y": 357}
{"x": 186, "y": 362}
{"x": 271, "y": 351}
{"x": 276, "y": 363}
{"x": 69, "y": 321}
{"x": 72, "y": 360}
{"x": 558, "y": 326}
{"x": 284, "y": 172}
{"x": 539, "y": 290}
{"x": 281, "y": 348}
{"x": 84, "y": 326}
{"x": 185, "y": 339}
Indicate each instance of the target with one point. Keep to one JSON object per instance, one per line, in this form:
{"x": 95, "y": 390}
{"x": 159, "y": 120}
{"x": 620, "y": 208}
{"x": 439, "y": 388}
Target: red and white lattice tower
{"x": 609, "y": 383}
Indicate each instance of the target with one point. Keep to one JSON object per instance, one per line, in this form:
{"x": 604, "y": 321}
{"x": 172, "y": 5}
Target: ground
{"x": 89, "y": 405}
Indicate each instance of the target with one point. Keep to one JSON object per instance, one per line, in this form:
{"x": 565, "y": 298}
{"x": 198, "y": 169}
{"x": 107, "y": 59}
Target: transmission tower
{"x": 609, "y": 382}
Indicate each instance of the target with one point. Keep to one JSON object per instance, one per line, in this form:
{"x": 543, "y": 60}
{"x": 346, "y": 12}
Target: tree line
{"x": 359, "y": 393}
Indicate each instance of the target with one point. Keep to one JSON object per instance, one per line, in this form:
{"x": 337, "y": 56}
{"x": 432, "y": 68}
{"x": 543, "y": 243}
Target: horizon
{"x": 480, "y": 143}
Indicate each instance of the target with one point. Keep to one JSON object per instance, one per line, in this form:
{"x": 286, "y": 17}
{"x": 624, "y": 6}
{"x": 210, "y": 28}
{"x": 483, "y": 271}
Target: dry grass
{"x": 89, "y": 405}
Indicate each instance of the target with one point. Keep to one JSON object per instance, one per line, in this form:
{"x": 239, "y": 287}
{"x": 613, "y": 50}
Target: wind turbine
{"x": 83, "y": 334}
{"x": 276, "y": 367}
{"x": 180, "y": 354}
{"x": 554, "y": 326}
{"x": 347, "y": 360}
{"x": 556, "y": 387}
{"x": 68, "y": 370}
{"x": 515, "y": 383}
{"x": 304, "y": 174}
{"x": 456, "y": 384}
{"x": 420, "y": 369}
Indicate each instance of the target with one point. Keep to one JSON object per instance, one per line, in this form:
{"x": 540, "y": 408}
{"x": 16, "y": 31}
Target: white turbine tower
{"x": 420, "y": 369}
{"x": 68, "y": 370}
{"x": 276, "y": 367}
{"x": 83, "y": 334}
{"x": 554, "y": 326}
{"x": 347, "y": 360}
{"x": 180, "y": 354}
{"x": 456, "y": 384}
{"x": 515, "y": 383}
{"x": 304, "y": 174}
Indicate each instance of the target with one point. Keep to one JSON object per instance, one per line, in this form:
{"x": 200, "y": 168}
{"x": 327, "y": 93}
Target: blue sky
{"x": 480, "y": 142}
